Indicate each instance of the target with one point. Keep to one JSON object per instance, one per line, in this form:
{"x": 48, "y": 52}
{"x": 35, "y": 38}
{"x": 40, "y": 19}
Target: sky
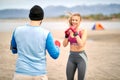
{"x": 27, "y": 4}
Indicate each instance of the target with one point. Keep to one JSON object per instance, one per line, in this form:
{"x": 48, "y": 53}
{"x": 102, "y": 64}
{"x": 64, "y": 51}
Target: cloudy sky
{"x": 27, "y": 4}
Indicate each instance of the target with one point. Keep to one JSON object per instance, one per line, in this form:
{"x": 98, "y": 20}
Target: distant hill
{"x": 55, "y": 11}
{"x": 83, "y": 10}
{"x": 14, "y": 13}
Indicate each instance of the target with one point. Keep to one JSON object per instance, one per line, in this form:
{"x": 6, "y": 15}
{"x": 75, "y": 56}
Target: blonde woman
{"x": 77, "y": 39}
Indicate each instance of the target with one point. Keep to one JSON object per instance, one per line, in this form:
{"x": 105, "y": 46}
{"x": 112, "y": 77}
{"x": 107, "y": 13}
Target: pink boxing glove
{"x": 74, "y": 31}
{"x": 57, "y": 43}
{"x": 67, "y": 33}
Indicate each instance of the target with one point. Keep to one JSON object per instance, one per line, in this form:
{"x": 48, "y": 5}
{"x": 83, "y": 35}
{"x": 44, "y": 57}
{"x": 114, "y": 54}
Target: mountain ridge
{"x": 56, "y": 11}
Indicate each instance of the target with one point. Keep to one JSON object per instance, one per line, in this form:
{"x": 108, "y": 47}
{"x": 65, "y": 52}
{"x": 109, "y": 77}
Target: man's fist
{"x": 57, "y": 43}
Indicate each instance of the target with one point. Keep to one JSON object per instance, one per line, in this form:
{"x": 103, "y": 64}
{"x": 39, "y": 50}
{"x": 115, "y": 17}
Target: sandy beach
{"x": 102, "y": 49}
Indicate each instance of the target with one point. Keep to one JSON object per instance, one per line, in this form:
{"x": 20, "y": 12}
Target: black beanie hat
{"x": 36, "y": 13}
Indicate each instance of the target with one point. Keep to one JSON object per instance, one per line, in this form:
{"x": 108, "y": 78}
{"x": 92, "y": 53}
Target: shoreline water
{"x": 60, "y": 24}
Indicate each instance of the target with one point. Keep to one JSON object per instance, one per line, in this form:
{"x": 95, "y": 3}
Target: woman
{"x": 77, "y": 38}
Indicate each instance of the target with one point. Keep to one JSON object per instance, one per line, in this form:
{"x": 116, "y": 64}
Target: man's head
{"x": 36, "y": 13}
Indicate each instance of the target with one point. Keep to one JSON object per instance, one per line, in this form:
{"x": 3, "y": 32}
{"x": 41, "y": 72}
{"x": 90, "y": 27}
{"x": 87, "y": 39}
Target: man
{"x": 30, "y": 42}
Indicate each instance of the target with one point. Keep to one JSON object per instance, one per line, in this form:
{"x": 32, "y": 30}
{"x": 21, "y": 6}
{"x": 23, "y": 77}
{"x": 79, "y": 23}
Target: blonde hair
{"x": 70, "y": 18}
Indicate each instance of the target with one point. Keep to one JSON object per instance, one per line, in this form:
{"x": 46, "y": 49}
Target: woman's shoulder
{"x": 83, "y": 30}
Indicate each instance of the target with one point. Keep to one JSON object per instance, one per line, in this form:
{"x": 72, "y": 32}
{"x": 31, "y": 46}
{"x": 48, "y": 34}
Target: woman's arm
{"x": 65, "y": 42}
{"x": 81, "y": 41}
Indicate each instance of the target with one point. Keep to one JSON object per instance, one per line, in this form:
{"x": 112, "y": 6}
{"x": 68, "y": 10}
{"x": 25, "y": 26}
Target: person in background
{"x": 31, "y": 42}
{"x": 77, "y": 39}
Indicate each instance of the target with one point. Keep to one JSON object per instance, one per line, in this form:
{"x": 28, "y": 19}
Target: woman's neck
{"x": 35, "y": 23}
{"x": 77, "y": 28}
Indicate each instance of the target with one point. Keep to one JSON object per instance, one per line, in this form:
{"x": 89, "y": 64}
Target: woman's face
{"x": 75, "y": 21}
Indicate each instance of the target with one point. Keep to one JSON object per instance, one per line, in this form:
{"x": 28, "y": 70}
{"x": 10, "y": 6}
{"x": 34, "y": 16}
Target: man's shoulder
{"x": 44, "y": 30}
{"x": 20, "y": 27}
